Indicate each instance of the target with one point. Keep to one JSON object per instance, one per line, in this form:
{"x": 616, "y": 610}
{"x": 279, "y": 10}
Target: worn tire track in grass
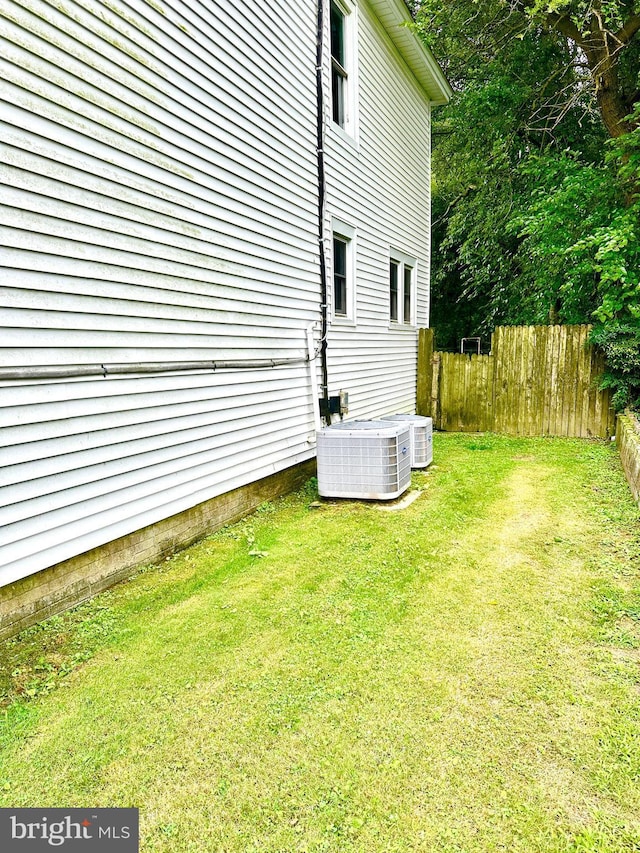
{"x": 439, "y": 679}
{"x": 516, "y": 742}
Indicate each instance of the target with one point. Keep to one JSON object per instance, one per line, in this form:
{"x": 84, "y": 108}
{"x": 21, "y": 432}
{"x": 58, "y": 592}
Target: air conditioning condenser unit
{"x": 364, "y": 459}
{"x": 421, "y": 437}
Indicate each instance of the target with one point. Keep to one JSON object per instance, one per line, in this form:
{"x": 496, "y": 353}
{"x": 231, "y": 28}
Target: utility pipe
{"x": 314, "y": 378}
{"x": 73, "y": 371}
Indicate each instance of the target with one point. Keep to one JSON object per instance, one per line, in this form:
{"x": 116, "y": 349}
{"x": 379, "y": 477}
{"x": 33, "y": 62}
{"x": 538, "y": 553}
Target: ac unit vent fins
{"x": 369, "y": 460}
{"x": 421, "y": 438}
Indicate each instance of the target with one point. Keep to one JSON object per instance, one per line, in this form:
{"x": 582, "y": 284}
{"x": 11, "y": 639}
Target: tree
{"x": 536, "y": 201}
{"x": 601, "y": 39}
{"x": 583, "y": 234}
{"x": 606, "y": 34}
{"x": 483, "y": 143}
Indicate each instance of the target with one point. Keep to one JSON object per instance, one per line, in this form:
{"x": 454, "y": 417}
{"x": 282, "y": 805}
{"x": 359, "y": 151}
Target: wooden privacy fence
{"x": 538, "y": 380}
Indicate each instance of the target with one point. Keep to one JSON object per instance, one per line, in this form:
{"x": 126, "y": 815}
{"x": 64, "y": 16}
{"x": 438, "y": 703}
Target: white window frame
{"x": 347, "y": 234}
{"x": 405, "y": 264}
{"x": 348, "y": 70}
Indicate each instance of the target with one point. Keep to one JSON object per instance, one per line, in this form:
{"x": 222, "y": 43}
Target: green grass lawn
{"x": 461, "y": 675}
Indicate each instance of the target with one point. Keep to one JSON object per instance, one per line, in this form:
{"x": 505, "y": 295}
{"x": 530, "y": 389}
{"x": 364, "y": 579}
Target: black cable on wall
{"x": 324, "y": 307}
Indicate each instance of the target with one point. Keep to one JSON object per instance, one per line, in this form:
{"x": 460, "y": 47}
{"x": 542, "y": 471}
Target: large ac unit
{"x": 421, "y": 438}
{"x": 364, "y": 459}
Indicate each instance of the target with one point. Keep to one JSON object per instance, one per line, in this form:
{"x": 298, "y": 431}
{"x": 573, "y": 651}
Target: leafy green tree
{"x": 605, "y": 33}
{"x": 581, "y": 240}
{"x": 602, "y": 47}
{"x": 483, "y": 143}
{"x": 537, "y": 171}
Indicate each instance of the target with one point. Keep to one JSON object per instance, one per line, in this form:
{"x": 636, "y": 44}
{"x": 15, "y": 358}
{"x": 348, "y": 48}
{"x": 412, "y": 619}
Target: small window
{"x": 402, "y": 270}
{"x": 340, "y": 250}
{"x": 394, "y": 274}
{"x": 407, "y": 295}
{"x": 343, "y": 271}
{"x": 343, "y": 31}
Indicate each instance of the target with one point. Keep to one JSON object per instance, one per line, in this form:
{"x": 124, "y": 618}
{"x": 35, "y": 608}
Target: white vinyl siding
{"x": 382, "y": 186}
{"x": 159, "y": 204}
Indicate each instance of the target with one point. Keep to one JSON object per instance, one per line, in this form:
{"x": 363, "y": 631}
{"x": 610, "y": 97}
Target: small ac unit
{"x": 421, "y": 438}
{"x": 364, "y": 459}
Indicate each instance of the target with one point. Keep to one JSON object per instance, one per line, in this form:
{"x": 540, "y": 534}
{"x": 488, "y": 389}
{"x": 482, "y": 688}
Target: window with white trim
{"x": 343, "y": 53}
{"x": 340, "y": 253}
{"x": 343, "y": 257}
{"x": 402, "y": 289}
{"x": 394, "y": 281}
{"x": 407, "y": 295}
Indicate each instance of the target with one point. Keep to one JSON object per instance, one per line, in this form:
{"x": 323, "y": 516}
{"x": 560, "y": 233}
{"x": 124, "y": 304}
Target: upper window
{"x": 343, "y": 65}
{"x": 407, "y": 295}
{"x": 402, "y": 287}
{"x": 339, "y": 76}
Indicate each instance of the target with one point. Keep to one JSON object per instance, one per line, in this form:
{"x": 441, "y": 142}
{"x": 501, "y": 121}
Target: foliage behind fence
{"x": 538, "y": 380}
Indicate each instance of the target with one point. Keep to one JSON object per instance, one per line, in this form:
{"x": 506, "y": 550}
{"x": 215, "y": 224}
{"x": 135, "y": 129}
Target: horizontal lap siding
{"x": 381, "y": 187}
{"x": 160, "y": 204}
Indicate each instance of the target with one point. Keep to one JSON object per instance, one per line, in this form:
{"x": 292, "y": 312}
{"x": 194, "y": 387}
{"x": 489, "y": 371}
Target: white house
{"x": 168, "y": 169}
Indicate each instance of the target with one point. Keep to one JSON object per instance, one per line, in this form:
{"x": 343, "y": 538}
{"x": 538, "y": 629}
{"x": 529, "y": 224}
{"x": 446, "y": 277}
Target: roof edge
{"x": 394, "y": 17}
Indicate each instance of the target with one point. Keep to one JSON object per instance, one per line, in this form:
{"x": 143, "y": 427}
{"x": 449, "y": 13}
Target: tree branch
{"x": 565, "y": 25}
{"x": 629, "y": 30}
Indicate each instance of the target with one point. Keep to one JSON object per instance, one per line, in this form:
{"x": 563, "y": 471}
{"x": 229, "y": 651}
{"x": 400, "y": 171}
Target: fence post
{"x": 425, "y": 357}
{"x": 435, "y": 409}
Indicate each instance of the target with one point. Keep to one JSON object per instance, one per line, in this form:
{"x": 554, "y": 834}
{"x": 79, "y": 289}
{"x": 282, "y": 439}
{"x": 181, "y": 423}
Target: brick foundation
{"x": 53, "y": 590}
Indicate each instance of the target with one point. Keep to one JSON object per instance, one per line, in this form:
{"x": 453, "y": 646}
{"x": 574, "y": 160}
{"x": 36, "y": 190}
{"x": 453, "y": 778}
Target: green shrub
{"x": 619, "y": 341}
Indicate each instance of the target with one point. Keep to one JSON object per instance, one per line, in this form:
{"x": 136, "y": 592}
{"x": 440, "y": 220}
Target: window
{"x": 343, "y": 271}
{"x": 402, "y": 289}
{"x": 394, "y": 274}
{"x": 407, "y": 312}
{"x": 343, "y": 30}
{"x": 339, "y": 76}
{"x": 340, "y": 246}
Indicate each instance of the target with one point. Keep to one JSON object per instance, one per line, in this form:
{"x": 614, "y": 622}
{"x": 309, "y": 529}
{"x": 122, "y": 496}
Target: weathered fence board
{"x": 462, "y": 390}
{"x": 538, "y": 380}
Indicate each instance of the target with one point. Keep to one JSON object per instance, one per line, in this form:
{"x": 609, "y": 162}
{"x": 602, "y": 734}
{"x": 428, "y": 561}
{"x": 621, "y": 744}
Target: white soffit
{"x": 394, "y": 17}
